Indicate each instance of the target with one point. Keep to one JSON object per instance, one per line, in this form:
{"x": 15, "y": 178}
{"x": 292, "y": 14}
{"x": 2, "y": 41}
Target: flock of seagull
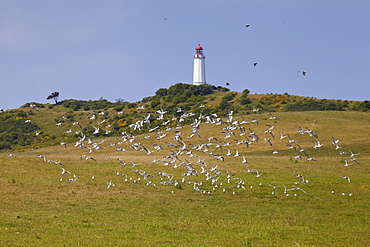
{"x": 187, "y": 150}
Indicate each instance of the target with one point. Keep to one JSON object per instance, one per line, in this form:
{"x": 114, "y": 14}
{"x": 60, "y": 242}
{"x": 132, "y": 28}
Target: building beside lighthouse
{"x": 199, "y": 71}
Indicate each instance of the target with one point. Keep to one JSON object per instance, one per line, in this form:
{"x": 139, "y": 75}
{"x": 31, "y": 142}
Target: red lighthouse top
{"x": 198, "y": 47}
{"x": 199, "y": 52}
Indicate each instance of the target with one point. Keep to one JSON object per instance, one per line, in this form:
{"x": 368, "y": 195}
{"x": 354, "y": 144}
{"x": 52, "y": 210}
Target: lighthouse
{"x": 199, "y": 71}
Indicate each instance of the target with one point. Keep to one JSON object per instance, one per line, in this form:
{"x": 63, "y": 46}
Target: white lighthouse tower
{"x": 199, "y": 72}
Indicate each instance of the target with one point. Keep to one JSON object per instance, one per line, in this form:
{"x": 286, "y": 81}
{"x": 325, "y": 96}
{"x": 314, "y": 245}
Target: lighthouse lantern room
{"x": 199, "y": 72}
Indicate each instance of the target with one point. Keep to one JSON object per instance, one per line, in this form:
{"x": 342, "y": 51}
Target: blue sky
{"x": 87, "y": 49}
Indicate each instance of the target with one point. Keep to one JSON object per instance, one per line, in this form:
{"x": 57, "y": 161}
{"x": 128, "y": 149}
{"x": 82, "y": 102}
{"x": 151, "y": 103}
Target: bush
{"x": 154, "y": 103}
{"x": 147, "y": 99}
{"x": 224, "y": 105}
{"x": 118, "y": 108}
{"x": 364, "y": 106}
{"x": 15, "y": 131}
{"x": 4, "y": 145}
{"x": 245, "y": 101}
{"x": 181, "y": 92}
{"x": 229, "y": 96}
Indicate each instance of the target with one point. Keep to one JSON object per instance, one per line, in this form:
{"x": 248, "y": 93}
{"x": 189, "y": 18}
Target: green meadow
{"x": 144, "y": 201}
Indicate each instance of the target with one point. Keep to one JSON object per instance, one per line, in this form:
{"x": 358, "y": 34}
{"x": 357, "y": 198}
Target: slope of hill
{"x": 165, "y": 175}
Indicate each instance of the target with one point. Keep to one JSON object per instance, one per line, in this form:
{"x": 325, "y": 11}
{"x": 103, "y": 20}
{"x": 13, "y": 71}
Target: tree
{"x": 161, "y": 92}
{"x": 246, "y": 92}
{"x": 119, "y": 101}
{"x": 54, "y": 96}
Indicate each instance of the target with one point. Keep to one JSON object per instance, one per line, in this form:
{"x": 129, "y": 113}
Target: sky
{"x": 128, "y": 49}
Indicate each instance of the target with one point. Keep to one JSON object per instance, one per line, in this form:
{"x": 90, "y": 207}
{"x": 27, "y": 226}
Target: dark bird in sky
{"x": 227, "y": 84}
{"x": 247, "y": 25}
{"x": 255, "y": 64}
{"x": 303, "y": 72}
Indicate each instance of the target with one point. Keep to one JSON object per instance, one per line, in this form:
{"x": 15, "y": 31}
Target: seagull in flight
{"x": 244, "y": 161}
{"x": 258, "y": 174}
{"x": 335, "y": 142}
{"x": 268, "y": 140}
{"x": 354, "y": 160}
{"x": 34, "y": 107}
{"x": 272, "y": 117}
{"x": 10, "y": 155}
{"x": 347, "y": 164}
{"x": 317, "y": 144}
{"x": 296, "y": 156}
{"x": 308, "y": 157}
{"x": 274, "y": 187}
{"x": 297, "y": 188}
{"x": 64, "y": 171}
{"x": 281, "y": 136}
{"x": 110, "y": 184}
{"x": 347, "y": 178}
{"x": 353, "y": 154}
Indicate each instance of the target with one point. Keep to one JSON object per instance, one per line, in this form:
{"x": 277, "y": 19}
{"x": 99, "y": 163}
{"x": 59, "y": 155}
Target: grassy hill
{"x": 36, "y": 122}
{"x": 194, "y": 178}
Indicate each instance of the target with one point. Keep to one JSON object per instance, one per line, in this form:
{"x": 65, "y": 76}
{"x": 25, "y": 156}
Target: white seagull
{"x": 347, "y": 178}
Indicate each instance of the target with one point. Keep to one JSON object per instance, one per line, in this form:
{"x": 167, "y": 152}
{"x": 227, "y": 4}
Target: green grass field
{"x": 39, "y": 207}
